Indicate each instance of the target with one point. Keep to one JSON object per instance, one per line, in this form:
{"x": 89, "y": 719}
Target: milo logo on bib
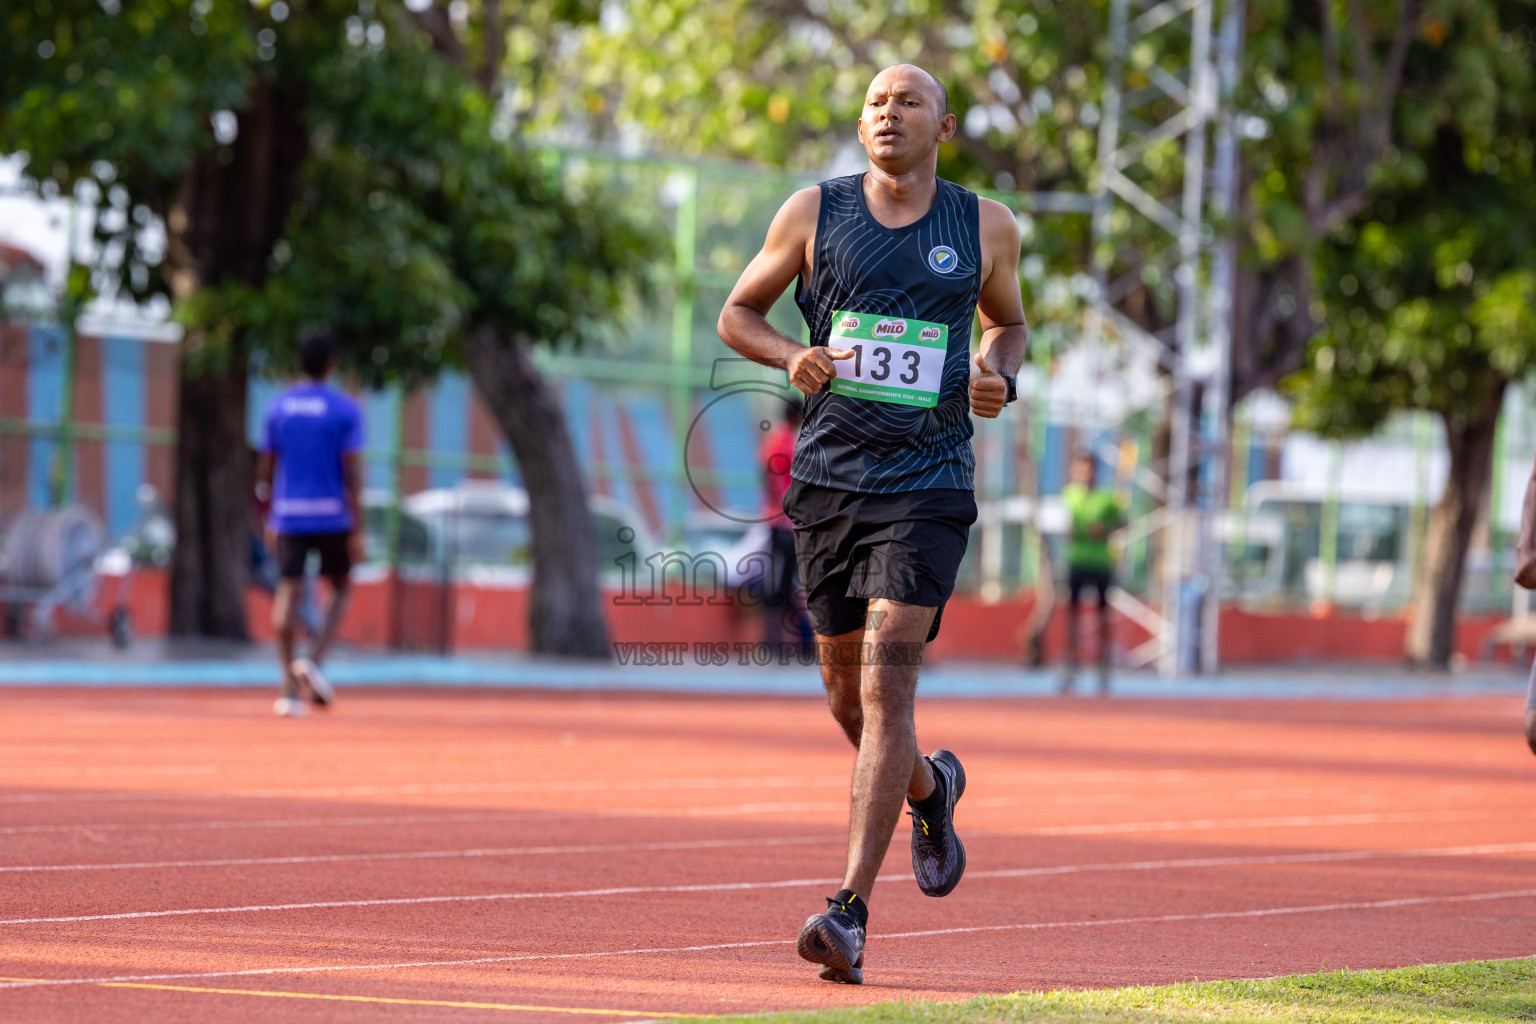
{"x": 895, "y": 359}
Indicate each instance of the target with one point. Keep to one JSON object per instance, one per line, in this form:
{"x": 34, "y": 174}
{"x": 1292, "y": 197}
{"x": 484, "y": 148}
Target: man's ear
{"x": 947, "y": 126}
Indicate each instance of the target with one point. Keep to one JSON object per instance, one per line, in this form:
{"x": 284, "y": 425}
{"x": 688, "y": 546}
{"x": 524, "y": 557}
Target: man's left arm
{"x": 1004, "y": 335}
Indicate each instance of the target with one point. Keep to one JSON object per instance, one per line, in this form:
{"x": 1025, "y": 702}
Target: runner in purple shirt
{"x": 309, "y": 470}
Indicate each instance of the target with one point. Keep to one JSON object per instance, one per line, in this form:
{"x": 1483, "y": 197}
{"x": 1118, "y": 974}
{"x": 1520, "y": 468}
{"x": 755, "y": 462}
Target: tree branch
{"x": 1331, "y": 74}
{"x": 495, "y": 45}
{"x": 1365, "y": 70}
{"x": 435, "y": 23}
{"x": 1392, "y": 74}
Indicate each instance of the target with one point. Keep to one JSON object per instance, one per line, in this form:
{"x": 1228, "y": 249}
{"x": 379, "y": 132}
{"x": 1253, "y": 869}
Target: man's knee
{"x": 849, "y": 715}
{"x": 842, "y": 684}
{"x": 887, "y": 694}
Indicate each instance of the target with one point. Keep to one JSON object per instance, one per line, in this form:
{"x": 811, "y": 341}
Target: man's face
{"x": 1082, "y": 472}
{"x": 902, "y": 122}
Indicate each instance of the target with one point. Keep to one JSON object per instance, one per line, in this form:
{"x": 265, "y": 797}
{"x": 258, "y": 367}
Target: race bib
{"x": 895, "y": 359}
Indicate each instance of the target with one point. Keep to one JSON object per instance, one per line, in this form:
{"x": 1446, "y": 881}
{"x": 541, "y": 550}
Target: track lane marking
{"x": 1214, "y": 915}
{"x": 1278, "y": 821}
{"x": 1029, "y": 779}
{"x": 1107, "y": 828}
{"x": 400, "y": 901}
{"x": 630, "y": 890}
{"x": 712, "y": 844}
{"x": 411, "y": 788}
{"x": 509, "y": 851}
{"x": 458, "y": 1004}
{"x": 236, "y": 823}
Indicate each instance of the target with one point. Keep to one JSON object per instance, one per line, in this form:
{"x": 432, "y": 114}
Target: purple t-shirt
{"x": 308, "y": 428}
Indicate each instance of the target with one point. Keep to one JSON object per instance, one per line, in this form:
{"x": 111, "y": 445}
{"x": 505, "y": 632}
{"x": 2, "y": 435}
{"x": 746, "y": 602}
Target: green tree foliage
{"x": 320, "y": 162}
{"x": 783, "y": 83}
{"x": 1428, "y": 292}
{"x": 415, "y": 223}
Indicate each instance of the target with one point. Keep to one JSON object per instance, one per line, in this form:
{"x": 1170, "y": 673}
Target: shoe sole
{"x": 853, "y": 976}
{"x": 957, "y": 775}
{"x": 817, "y": 945}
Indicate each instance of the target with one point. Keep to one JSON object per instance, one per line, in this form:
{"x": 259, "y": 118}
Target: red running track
{"x": 185, "y": 856}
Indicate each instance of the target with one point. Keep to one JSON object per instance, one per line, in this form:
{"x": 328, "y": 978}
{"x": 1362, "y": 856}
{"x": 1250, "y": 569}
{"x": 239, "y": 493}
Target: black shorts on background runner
{"x": 1081, "y": 578}
{"x": 294, "y": 548}
{"x": 852, "y": 547}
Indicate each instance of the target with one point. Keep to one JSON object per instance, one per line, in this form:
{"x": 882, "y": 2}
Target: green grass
{"x": 1503, "y": 990}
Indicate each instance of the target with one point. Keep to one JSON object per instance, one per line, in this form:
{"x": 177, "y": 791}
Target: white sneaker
{"x": 311, "y": 678}
{"x": 290, "y": 707}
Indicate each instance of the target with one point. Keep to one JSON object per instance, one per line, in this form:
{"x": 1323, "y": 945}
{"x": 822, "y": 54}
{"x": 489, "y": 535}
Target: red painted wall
{"x": 496, "y": 619}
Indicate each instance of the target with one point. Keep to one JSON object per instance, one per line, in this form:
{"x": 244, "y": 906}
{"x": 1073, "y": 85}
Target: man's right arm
{"x": 744, "y": 320}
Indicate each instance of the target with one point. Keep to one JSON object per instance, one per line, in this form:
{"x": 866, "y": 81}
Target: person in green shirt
{"x": 1096, "y": 513}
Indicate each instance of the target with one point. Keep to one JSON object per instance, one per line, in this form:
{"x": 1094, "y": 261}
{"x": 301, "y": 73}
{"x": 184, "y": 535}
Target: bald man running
{"x": 890, "y": 266}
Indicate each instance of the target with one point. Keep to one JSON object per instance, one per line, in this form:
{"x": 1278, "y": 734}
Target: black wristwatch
{"x": 1013, "y": 388}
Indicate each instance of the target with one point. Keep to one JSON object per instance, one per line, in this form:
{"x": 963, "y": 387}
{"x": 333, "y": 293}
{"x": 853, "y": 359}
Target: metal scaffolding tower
{"x": 1185, "y": 85}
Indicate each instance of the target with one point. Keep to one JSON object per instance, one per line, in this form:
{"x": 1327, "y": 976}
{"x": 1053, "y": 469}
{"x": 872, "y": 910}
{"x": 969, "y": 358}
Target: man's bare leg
{"x": 843, "y": 683}
{"x": 1104, "y": 643}
{"x": 341, "y": 590}
{"x": 284, "y": 614}
{"x": 1069, "y": 662}
{"x": 888, "y": 766}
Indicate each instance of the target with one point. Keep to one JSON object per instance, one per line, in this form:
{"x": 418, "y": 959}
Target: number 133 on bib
{"x": 895, "y": 359}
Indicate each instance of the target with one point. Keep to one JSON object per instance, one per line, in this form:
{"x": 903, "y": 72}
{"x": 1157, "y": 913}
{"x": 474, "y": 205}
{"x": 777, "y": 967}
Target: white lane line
{"x": 419, "y": 788}
{"x": 1218, "y": 915}
{"x": 1154, "y": 865}
{"x": 1214, "y": 824}
{"x": 717, "y": 844}
{"x": 1333, "y": 856}
{"x": 1213, "y": 915}
{"x": 202, "y": 826}
{"x": 1030, "y": 779}
{"x": 509, "y": 851}
{"x": 733, "y": 810}
{"x": 397, "y": 901}
{"x": 109, "y": 771}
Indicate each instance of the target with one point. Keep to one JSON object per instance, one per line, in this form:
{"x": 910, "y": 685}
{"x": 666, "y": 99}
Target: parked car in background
{"x": 479, "y": 530}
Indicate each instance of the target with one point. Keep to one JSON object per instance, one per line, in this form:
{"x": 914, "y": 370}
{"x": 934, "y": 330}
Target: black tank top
{"x": 929, "y": 270}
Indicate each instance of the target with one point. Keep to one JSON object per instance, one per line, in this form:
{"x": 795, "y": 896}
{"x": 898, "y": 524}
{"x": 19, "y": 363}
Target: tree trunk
{"x": 1437, "y": 592}
{"x": 231, "y": 209}
{"x": 565, "y": 607}
{"x": 213, "y": 511}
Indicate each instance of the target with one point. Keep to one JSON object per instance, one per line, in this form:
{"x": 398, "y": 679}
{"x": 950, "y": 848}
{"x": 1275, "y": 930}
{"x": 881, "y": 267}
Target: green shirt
{"x": 1090, "y": 508}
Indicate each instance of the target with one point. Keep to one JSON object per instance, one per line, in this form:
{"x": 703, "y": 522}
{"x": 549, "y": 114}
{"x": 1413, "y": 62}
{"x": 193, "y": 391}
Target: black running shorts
{"x": 1081, "y": 578}
{"x": 294, "y": 548}
{"x": 852, "y": 547}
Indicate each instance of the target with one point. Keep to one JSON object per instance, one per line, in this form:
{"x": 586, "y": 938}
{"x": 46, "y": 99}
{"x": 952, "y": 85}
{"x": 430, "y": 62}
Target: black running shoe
{"x": 938, "y": 856}
{"x": 836, "y": 941}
